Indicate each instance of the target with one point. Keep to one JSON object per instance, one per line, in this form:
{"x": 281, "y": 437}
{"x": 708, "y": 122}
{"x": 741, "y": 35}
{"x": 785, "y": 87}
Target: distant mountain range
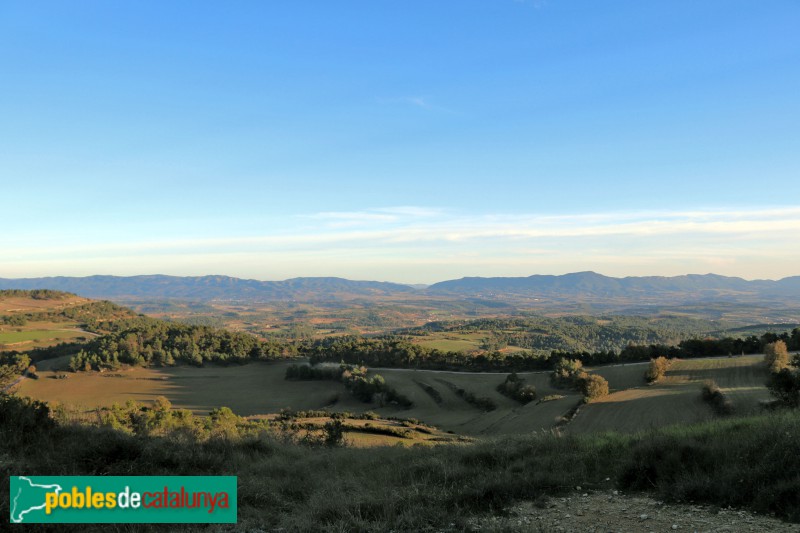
{"x": 585, "y": 286}
{"x": 591, "y": 284}
{"x": 204, "y": 288}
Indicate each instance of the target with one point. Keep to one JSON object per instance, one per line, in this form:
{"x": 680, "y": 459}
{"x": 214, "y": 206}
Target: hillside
{"x": 260, "y": 388}
{"x": 30, "y": 320}
{"x": 439, "y": 488}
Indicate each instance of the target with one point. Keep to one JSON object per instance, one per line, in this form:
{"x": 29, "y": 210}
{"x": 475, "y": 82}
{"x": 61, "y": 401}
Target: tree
{"x": 593, "y": 387}
{"x": 657, "y": 369}
{"x": 776, "y": 356}
{"x": 785, "y": 386}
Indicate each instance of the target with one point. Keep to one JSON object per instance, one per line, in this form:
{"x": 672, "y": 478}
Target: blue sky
{"x": 401, "y": 140}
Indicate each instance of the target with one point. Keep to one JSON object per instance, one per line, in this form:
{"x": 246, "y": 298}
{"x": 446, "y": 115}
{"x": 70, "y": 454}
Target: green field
{"x": 37, "y": 335}
{"x": 260, "y": 388}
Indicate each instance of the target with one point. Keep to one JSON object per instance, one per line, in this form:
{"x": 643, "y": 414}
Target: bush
{"x": 333, "y": 433}
{"x": 657, "y": 369}
{"x": 785, "y": 386}
{"x": 714, "y": 396}
{"x": 565, "y": 372}
{"x": 515, "y": 388}
{"x": 593, "y": 387}
{"x": 569, "y": 372}
{"x": 549, "y": 398}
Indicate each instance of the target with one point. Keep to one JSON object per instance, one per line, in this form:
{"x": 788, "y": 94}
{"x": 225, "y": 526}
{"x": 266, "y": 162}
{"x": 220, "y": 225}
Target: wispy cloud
{"x": 420, "y": 102}
{"x": 422, "y": 243}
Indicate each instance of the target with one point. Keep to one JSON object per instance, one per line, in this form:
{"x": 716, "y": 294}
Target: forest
{"x": 160, "y": 343}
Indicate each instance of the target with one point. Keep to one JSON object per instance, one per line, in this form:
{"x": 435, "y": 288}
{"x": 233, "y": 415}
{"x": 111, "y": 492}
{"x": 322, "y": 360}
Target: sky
{"x": 410, "y": 141}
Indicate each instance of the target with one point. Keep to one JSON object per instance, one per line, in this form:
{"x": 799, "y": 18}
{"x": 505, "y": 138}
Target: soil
{"x": 611, "y": 511}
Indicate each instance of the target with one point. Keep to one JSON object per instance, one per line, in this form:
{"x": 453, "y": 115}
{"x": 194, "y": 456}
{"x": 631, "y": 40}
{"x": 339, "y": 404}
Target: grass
{"x": 452, "y": 341}
{"x": 12, "y": 337}
{"x": 380, "y": 432}
{"x": 742, "y": 462}
{"x": 18, "y": 304}
{"x": 39, "y": 334}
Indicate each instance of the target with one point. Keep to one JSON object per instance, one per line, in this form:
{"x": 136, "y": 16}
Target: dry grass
{"x": 10, "y": 306}
{"x": 676, "y": 398}
{"x": 260, "y": 388}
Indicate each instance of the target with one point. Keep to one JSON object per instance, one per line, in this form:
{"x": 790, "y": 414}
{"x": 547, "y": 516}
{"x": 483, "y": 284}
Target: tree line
{"x": 36, "y": 294}
{"x": 400, "y": 352}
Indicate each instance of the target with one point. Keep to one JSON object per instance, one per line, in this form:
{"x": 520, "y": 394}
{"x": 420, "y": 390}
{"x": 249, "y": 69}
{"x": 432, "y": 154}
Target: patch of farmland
{"x": 676, "y": 398}
{"x": 251, "y": 389}
{"x": 454, "y": 413}
{"x": 741, "y": 378}
{"x": 18, "y": 304}
{"x": 621, "y": 377}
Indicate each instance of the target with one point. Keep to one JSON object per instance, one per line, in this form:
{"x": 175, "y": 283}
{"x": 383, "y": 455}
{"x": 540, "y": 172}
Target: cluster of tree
{"x": 569, "y": 373}
{"x": 179, "y": 425}
{"x": 398, "y": 352}
{"x": 714, "y": 396}
{"x": 12, "y": 365}
{"x": 657, "y": 369}
{"x": 366, "y": 388}
{"x": 160, "y": 343}
{"x": 515, "y": 388}
{"x": 36, "y": 294}
{"x": 13, "y": 320}
{"x": 784, "y": 380}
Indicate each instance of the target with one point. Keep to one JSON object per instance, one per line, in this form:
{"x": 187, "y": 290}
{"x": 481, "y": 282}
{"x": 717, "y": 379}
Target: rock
{"x": 643, "y": 517}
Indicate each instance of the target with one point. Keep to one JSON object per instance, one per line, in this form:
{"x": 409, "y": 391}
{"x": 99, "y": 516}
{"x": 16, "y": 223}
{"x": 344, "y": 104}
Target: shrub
{"x": 333, "y": 433}
{"x": 714, "y": 396}
{"x": 515, "y": 388}
{"x": 565, "y": 372}
{"x": 593, "y": 387}
{"x": 785, "y": 386}
{"x": 569, "y": 372}
{"x": 481, "y": 402}
{"x": 657, "y": 369}
{"x": 549, "y": 398}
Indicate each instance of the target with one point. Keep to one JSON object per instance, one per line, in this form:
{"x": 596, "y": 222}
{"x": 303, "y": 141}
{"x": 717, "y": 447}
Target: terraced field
{"x": 260, "y": 388}
{"x": 676, "y": 398}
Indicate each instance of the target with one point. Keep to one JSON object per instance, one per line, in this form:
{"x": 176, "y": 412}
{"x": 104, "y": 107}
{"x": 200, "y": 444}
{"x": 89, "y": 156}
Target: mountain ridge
{"x": 586, "y": 284}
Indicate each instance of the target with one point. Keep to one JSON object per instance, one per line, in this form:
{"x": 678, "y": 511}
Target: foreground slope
{"x": 743, "y": 462}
